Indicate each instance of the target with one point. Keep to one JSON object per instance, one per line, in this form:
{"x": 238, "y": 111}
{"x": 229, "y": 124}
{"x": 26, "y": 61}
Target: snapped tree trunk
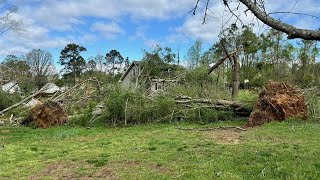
{"x": 235, "y": 71}
{"x": 235, "y": 77}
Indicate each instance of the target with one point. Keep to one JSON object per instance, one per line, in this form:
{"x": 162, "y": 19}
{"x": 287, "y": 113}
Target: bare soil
{"x": 72, "y": 170}
{"x": 224, "y": 136}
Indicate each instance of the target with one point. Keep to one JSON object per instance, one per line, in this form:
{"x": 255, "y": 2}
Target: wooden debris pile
{"x": 46, "y": 115}
{"x": 278, "y": 101}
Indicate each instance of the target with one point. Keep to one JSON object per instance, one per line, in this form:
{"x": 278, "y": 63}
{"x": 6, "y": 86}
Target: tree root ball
{"x": 47, "y": 114}
{"x": 278, "y": 101}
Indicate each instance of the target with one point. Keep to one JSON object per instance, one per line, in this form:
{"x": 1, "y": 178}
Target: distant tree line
{"x": 264, "y": 57}
{"x": 36, "y": 68}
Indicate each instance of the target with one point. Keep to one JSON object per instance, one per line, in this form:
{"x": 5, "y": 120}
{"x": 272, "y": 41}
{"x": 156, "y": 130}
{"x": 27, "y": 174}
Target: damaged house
{"x": 11, "y": 87}
{"x": 152, "y": 78}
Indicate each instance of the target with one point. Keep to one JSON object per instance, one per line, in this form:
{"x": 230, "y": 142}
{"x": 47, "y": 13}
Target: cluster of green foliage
{"x": 133, "y": 107}
{"x": 262, "y": 57}
{"x": 313, "y": 100}
{"x": 8, "y": 99}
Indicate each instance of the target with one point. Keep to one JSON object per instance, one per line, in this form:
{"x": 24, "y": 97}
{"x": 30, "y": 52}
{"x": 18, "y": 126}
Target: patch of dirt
{"x": 132, "y": 164}
{"x": 5, "y": 131}
{"x": 82, "y": 170}
{"x": 278, "y": 101}
{"x": 105, "y": 173}
{"x": 74, "y": 170}
{"x": 224, "y": 136}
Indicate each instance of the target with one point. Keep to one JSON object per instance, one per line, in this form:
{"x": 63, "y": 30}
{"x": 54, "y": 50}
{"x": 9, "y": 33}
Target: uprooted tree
{"x": 257, "y": 7}
{"x": 278, "y": 101}
{"x": 46, "y": 115}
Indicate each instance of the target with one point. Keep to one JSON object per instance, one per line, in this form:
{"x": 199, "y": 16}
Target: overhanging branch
{"x": 290, "y": 30}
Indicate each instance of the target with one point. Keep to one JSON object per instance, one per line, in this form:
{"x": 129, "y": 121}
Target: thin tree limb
{"x": 211, "y": 129}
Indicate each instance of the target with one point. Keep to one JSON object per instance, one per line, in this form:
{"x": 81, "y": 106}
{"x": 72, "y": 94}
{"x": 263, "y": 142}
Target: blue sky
{"x": 132, "y": 25}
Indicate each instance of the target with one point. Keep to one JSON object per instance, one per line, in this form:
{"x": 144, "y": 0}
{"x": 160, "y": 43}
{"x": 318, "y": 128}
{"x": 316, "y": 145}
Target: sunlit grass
{"x": 287, "y": 150}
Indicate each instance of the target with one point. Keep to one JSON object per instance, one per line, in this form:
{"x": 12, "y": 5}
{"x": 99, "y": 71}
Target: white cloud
{"x": 176, "y": 38}
{"x": 140, "y": 35}
{"x": 53, "y": 23}
{"x": 109, "y": 31}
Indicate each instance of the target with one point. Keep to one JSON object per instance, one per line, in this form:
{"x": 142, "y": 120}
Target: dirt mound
{"x": 47, "y": 114}
{"x": 278, "y": 101}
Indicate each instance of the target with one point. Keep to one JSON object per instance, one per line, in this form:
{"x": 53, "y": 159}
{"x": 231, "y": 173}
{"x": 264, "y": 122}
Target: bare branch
{"x": 295, "y": 13}
{"x": 225, "y": 2}
{"x": 7, "y": 21}
{"x": 257, "y": 7}
{"x": 290, "y": 30}
{"x": 205, "y": 13}
{"x": 195, "y": 8}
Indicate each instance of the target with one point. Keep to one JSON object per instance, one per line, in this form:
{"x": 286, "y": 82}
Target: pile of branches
{"x": 79, "y": 95}
{"x": 278, "y": 101}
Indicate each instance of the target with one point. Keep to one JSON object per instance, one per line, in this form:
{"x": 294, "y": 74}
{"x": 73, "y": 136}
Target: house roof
{"x": 11, "y": 87}
{"x": 134, "y": 63}
{"x": 33, "y": 102}
{"x": 51, "y": 88}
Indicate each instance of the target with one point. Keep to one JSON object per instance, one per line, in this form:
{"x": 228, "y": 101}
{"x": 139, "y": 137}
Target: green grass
{"x": 287, "y": 150}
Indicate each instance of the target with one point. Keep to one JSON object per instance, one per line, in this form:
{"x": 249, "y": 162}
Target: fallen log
{"x": 210, "y": 129}
{"x": 220, "y": 105}
{"x": 221, "y": 102}
{"x": 59, "y": 97}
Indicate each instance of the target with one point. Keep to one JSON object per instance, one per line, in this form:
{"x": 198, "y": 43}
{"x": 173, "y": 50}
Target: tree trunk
{"x": 235, "y": 77}
{"x": 125, "y": 112}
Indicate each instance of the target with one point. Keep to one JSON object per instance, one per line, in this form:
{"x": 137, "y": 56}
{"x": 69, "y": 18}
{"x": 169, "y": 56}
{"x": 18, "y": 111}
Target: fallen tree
{"x": 278, "y": 101}
{"x": 24, "y": 100}
{"x": 220, "y": 105}
{"x": 54, "y": 98}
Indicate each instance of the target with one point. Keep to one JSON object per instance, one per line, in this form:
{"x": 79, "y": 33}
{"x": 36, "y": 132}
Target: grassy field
{"x": 287, "y": 150}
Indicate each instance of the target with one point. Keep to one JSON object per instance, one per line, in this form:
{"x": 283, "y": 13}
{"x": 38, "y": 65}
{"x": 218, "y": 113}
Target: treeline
{"x": 36, "y": 68}
{"x": 264, "y": 57}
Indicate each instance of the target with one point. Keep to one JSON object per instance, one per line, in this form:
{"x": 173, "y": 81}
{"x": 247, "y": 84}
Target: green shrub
{"x": 7, "y": 99}
{"x": 248, "y": 97}
{"x": 313, "y": 101}
{"x": 197, "y": 83}
{"x": 132, "y": 107}
{"x": 115, "y": 105}
{"x": 84, "y": 117}
{"x": 125, "y": 106}
{"x": 207, "y": 115}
